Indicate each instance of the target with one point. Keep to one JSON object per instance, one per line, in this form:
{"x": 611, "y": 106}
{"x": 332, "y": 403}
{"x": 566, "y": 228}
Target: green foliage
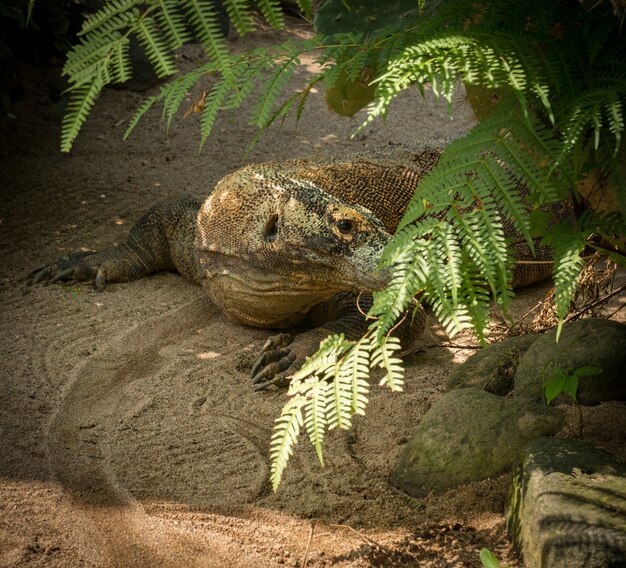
{"x": 560, "y": 71}
{"x": 329, "y": 390}
{"x": 488, "y": 559}
{"x": 566, "y": 382}
{"x": 508, "y": 175}
{"x": 101, "y": 57}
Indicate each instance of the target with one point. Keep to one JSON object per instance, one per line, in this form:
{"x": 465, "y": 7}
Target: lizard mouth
{"x": 303, "y": 269}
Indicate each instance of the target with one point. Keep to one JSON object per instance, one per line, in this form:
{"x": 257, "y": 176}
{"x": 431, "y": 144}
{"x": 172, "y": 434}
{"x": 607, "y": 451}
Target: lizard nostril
{"x": 271, "y": 228}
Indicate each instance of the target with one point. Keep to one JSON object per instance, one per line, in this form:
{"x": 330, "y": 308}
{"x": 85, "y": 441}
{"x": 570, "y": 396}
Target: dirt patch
{"x": 130, "y": 434}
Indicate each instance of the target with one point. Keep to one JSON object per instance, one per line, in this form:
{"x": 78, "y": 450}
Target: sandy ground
{"x": 130, "y": 435}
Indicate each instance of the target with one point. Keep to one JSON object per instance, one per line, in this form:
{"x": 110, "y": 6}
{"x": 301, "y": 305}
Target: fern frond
{"x": 568, "y": 262}
{"x": 109, "y": 11}
{"x": 476, "y": 300}
{"x": 331, "y": 349}
{"x": 271, "y": 12}
{"x": 382, "y": 357}
{"x": 175, "y": 92}
{"x": 284, "y": 437}
{"x": 121, "y": 61}
{"x": 29, "y": 11}
{"x": 239, "y": 14}
{"x": 303, "y": 97}
{"x": 82, "y": 99}
{"x": 272, "y": 86}
{"x": 339, "y": 411}
{"x": 87, "y": 59}
{"x": 443, "y": 254}
{"x": 614, "y": 108}
{"x": 204, "y": 19}
{"x": 143, "y": 109}
{"x": 172, "y": 23}
{"x": 409, "y": 273}
{"x": 214, "y": 101}
{"x": 354, "y": 370}
{"x": 154, "y": 44}
{"x": 315, "y": 414}
{"x": 306, "y": 7}
{"x": 250, "y": 74}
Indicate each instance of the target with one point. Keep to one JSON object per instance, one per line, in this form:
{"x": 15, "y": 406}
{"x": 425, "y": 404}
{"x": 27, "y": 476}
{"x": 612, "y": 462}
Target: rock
{"x": 493, "y": 368}
{"x": 468, "y": 435}
{"x": 567, "y": 506}
{"x": 591, "y": 342}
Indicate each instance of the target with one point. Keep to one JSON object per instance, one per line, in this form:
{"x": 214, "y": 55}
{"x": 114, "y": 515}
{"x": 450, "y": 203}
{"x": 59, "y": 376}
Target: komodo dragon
{"x": 276, "y": 245}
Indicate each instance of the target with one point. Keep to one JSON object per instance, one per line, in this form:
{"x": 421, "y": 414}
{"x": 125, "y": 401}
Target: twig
{"x": 455, "y": 346}
{"x": 617, "y": 310}
{"x": 358, "y": 306}
{"x": 308, "y": 546}
{"x": 360, "y": 534}
{"x": 593, "y": 304}
{"x": 419, "y": 348}
{"x": 523, "y": 317}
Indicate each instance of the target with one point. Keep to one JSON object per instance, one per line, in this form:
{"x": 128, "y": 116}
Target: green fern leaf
{"x": 409, "y": 273}
{"x": 272, "y": 87}
{"x": 215, "y": 100}
{"x": 326, "y": 357}
{"x": 354, "y": 370}
{"x": 145, "y": 107}
{"x": 239, "y": 14}
{"x": 382, "y": 357}
{"x": 615, "y": 115}
{"x": 272, "y": 13}
{"x": 339, "y": 409}
{"x": 567, "y": 266}
{"x": 315, "y": 414}
{"x": 303, "y": 97}
{"x": 29, "y": 11}
{"x": 176, "y": 91}
{"x": 306, "y": 7}
{"x": 87, "y": 60}
{"x": 476, "y": 299}
{"x": 158, "y": 53}
{"x": 121, "y": 61}
{"x": 172, "y": 23}
{"x": 284, "y": 437}
{"x": 110, "y": 10}
{"x": 205, "y": 22}
{"x": 82, "y": 100}
{"x": 250, "y": 74}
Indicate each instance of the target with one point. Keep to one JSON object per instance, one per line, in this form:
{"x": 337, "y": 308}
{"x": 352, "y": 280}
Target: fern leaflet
{"x": 284, "y": 437}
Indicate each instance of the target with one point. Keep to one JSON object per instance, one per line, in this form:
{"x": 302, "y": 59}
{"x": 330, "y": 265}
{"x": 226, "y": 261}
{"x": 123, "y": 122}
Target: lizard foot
{"x": 271, "y": 368}
{"x": 282, "y": 355}
{"x": 69, "y": 267}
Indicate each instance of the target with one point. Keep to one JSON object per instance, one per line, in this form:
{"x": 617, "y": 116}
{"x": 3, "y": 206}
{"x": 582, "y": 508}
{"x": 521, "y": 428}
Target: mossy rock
{"x": 567, "y": 506}
{"x": 591, "y": 342}
{"x": 469, "y": 435}
{"x": 492, "y": 369}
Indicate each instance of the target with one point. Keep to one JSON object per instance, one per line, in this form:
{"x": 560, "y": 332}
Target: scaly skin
{"x": 277, "y": 245}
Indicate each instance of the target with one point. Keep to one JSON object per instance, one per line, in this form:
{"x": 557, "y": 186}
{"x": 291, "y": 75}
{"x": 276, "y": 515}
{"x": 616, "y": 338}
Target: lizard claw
{"x": 272, "y": 365}
{"x": 39, "y": 274}
{"x": 64, "y": 274}
{"x": 69, "y": 267}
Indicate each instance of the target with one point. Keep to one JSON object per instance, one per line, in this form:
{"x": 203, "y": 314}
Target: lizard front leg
{"x": 161, "y": 240}
{"x": 283, "y": 354}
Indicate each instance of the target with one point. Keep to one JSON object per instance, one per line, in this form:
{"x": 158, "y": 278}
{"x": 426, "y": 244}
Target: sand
{"x": 130, "y": 435}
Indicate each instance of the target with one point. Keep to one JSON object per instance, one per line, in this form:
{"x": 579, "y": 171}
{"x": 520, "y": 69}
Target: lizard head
{"x": 272, "y": 246}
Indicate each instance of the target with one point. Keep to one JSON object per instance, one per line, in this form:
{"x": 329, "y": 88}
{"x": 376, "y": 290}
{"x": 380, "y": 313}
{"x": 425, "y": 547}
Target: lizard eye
{"x": 345, "y": 226}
